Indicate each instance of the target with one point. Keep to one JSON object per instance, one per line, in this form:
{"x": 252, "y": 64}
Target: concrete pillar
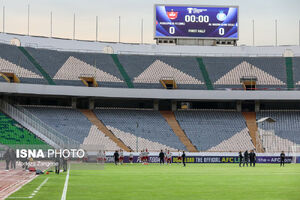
{"x": 239, "y": 106}
{"x": 174, "y": 106}
{"x": 74, "y": 102}
{"x": 91, "y": 104}
{"x": 155, "y": 105}
{"x": 257, "y": 106}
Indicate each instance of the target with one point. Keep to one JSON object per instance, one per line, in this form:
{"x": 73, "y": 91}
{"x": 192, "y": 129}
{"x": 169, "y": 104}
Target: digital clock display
{"x": 196, "y": 22}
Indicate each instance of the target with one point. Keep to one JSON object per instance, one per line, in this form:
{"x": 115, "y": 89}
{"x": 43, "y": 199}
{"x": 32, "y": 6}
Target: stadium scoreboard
{"x": 196, "y": 22}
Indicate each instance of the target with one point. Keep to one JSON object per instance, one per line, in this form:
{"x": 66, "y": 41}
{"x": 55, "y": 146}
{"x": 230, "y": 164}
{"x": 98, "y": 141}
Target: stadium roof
{"x": 148, "y": 49}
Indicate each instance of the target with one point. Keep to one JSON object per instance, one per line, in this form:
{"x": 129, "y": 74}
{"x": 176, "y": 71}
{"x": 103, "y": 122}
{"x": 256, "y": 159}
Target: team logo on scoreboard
{"x": 221, "y": 16}
{"x": 172, "y": 15}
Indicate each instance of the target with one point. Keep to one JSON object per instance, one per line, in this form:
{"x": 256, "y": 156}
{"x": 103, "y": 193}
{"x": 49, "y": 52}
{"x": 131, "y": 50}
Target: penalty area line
{"x": 64, "y": 194}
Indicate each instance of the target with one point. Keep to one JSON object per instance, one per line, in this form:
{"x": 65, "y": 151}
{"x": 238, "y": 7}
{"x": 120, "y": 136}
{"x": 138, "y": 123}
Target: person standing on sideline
{"x": 116, "y": 157}
{"x": 146, "y": 156}
{"x": 142, "y": 156}
{"x": 166, "y": 158}
{"x": 121, "y": 156}
{"x": 131, "y": 157}
{"x": 86, "y": 156}
{"x": 252, "y": 156}
{"x": 183, "y": 158}
{"x": 65, "y": 162}
{"x": 246, "y": 158}
{"x": 101, "y": 157}
{"x": 7, "y": 159}
{"x": 179, "y": 157}
{"x": 169, "y": 157}
{"x": 282, "y": 158}
{"x": 241, "y": 158}
{"x": 57, "y": 162}
{"x": 13, "y": 158}
{"x": 161, "y": 157}
{"x": 104, "y": 156}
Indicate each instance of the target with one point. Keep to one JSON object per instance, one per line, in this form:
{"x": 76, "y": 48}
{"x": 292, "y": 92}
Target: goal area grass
{"x": 169, "y": 182}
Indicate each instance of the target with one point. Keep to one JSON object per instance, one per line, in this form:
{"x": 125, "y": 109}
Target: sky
{"x": 263, "y": 12}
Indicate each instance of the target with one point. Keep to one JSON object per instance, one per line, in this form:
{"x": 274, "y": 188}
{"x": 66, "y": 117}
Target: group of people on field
{"x": 119, "y": 157}
{"x": 101, "y": 156}
{"x": 246, "y": 157}
{"x": 144, "y": 156}
{"x": 10, "y": 159}
{"x": 166, "y": 157}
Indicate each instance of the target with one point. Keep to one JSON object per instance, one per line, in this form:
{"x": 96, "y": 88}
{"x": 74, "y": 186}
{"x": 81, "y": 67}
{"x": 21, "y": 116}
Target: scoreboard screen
{"x": 196, "y": 22}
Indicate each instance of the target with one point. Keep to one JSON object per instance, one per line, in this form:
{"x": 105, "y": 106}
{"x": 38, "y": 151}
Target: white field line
{"x": 24, "y": 182}
{"x": 33, "y": 193}
{"x": 64, "y": 194}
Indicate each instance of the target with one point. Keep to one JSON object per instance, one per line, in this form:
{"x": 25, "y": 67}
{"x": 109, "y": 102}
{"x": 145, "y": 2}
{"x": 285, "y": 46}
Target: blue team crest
{"x": 221, "y": 16}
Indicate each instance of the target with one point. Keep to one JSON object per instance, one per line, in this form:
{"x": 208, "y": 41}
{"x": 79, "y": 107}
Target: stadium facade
{"x": 143, "y": 96}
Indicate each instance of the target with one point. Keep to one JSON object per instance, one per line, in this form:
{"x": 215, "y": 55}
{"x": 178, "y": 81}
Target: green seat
{"x": 13, "y": 135}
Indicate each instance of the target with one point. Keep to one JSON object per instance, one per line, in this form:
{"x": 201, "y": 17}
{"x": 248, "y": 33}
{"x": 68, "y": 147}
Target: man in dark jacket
{"x": 241, "y": 158}
{"x": 65, "y": 162}
{"x": 57, "y": 162}
{"x": 161, "y": 157}
{"x": 13, "y": 159}
{"x": 116, "y": 156}
{"x": 282, "y": 157}
{"x": 252, "y": 156}
{"x": 246, "y": 157}
{"x": 7, "y": 159}
{"x": 183, "y": 158}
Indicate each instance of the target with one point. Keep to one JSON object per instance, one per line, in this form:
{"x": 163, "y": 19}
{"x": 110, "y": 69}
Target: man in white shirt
{"x": 131, "y": 157}
{"x": 169, "y": 157}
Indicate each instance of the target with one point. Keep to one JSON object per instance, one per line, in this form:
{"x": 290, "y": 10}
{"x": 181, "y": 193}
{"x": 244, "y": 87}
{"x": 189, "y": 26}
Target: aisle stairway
{"x": 122, "y": 70}
{"x": 250, "y": 118}
{"x": 289, "y": 72}
{"x": 97, "y": 122}
{"x": 37, "y": 65}
{"x": 173, "y": 123}
{"x": 205, "y": 74}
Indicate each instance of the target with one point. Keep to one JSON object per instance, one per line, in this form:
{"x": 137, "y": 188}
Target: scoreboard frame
{"x": 199, "y": 38}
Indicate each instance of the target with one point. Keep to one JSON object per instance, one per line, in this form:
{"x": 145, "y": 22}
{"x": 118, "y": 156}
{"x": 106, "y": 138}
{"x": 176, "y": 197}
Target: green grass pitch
{"x": 174, "y": 182}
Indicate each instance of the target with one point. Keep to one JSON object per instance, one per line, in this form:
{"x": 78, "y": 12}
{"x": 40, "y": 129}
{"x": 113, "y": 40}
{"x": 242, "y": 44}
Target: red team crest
{"x": 172, "y": 15}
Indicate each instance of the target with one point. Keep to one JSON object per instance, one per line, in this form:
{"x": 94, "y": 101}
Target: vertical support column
{"x": 276, "y": 33}
{"x": 3, "y": 23}
{"x": 253, "y": 36}
{"x": 28, "y": 19}
{"x": 155, "y": 105}
{"x": 174, "y": 106}
{"x": 74, "y": 27}
{"x": 239, "y": 106}
{"x": 96, "y": 28}
{"x": 257, "y": 106}
{"x": 91, "y": 104}
{"x": 51, "y": 24}
{"x": 74, "y": 102}
{"x": 119, "y": 29}
{"x": 142, "y": 32}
